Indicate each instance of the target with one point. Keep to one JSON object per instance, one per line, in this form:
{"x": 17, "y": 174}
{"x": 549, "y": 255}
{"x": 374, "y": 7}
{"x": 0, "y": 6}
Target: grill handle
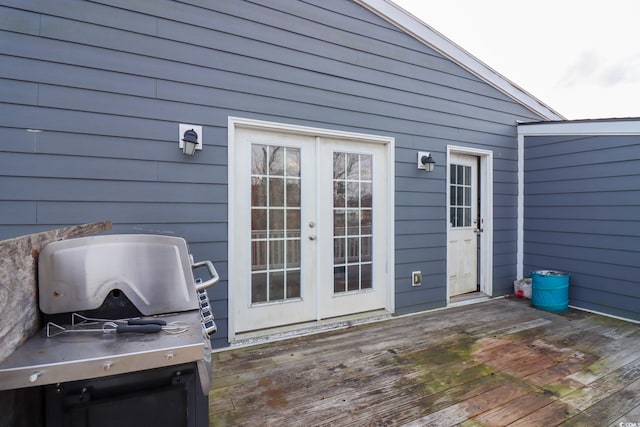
{"x": 212, "y": 271}
{"x": 141, "y": 329}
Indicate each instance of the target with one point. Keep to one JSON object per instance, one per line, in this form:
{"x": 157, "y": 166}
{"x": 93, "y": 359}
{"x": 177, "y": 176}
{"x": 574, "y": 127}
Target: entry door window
{"x": 460, "y": 193}
{"x": 275, "y": 223}
{"x": 352, "y": 222}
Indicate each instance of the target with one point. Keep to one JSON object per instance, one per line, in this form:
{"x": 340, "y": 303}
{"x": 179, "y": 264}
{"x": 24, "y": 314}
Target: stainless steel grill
{"x": 132, "y": 279}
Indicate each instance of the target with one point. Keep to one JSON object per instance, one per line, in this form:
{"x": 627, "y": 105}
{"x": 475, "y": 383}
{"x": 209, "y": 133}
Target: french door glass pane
{"x": 353, "y": 194}
{"x": 365, "y": 249}
{"x": 293, "y": 284}
{"x": 339, "y": 250}
{"x": 353, "y": 277}
{"x": 258, "y": 191}
{"x": 366, "y": 222}
{"x": 259, "y": 159}
{"x": 339, "y": 279}
{"x": 352, "y": 222}
{"x": 366, "y": 194}
{"x": 366, "y": 167}
{"x": 276, "y": 160}
{"x": 258, "y": 287}
{"x": 276, "y": 285}
{"x": 293, "y": 192}
{"x": 293, "y": 163}
{"x": 276, "y": 192}
{"x": 352, "y": 167}
{"x": 338, "y": 165}
{"x": 339, "y": 198}
{"x": 339, "y": 222}
{"x": 293, "y": 223}
{"x": 366, "y": 275}
{"x": 275, "y": 223}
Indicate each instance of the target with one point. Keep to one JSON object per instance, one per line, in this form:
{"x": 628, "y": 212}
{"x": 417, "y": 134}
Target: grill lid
{"x": 153, "y": 271}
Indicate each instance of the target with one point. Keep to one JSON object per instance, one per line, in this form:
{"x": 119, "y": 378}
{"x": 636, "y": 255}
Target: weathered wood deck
{"x": 495, "y": 363}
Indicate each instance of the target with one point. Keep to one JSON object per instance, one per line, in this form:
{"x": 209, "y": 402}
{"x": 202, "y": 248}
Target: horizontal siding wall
{"x": 106, "y": 84}
{"x": 582, "y": 204}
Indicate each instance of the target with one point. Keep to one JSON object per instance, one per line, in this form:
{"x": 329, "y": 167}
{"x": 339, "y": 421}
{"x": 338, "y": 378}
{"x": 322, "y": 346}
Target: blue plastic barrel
{"x": 550, "y": 290}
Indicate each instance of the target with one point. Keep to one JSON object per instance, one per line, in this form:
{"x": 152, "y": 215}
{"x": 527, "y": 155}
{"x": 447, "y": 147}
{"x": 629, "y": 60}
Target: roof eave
{"x": 621, "y": 126}
{"x": 427, "y": 35}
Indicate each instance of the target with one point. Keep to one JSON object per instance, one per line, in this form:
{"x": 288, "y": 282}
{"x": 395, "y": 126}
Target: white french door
{"x": 274, "y": 229}
{"x": 352, "y": 217}
{"x": 309, "y": 231}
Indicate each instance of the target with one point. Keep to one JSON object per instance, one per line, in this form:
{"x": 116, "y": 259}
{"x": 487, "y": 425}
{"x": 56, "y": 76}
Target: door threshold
{"x": 262, "y": 336}
{"x": 466, "y": 299}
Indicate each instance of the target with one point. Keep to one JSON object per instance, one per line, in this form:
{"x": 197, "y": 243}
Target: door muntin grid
{"x": 352, "y": 222}
{"x": 275, "y": 223}
{"x": 460, "y": 202}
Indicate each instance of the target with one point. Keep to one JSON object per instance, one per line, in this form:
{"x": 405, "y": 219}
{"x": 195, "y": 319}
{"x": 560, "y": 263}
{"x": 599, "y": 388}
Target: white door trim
{"x": 486, "y": 213}
{"x": 388, "y": 142}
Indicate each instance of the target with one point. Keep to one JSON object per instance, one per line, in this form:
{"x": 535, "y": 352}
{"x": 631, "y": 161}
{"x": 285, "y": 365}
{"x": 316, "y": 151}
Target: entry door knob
{"x": 312, "y": 237}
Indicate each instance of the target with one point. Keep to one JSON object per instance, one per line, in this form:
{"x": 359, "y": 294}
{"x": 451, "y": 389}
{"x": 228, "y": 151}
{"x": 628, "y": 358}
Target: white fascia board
{"x": 594, "y": 127}
{"x": 520, "y": 211}
{"x": 427, "y": 35}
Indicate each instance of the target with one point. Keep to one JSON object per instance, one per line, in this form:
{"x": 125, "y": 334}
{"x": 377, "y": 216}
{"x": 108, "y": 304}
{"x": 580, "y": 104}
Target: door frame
{"x": 485, "y": 182}
{"x": 234, "y": 192}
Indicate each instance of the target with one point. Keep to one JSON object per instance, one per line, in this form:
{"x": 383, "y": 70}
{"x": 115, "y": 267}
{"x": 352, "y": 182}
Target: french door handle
{"x": 478, "y": 230}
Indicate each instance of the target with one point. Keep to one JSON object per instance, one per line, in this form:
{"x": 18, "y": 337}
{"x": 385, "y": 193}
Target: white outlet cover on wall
{"x": 416, "y": 278}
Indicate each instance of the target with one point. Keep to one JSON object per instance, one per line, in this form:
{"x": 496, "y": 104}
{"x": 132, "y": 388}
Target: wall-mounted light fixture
{"x": 190, "y": 138}
{"x": 425, "y": 161}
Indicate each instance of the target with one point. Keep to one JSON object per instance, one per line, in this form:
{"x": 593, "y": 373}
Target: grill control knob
{"x": 34, "y": 377}
{"x": 210, "y": 327}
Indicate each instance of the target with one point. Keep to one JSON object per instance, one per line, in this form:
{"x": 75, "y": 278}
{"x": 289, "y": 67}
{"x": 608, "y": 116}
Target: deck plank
{"x": 495, "y": 363}
{"x": 605, "y": 386}
{"x": 515, "y": 409}
{"x": 469, "y": 408}
{"x": 633, "y": 416}
{"x": 608, "y": 364}
{"x": 607, "y": 410}
{"x": 551, "y": 415}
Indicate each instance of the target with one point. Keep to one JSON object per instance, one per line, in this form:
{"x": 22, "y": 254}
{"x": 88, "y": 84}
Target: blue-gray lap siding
{"x": 582, "y": 210}
{"x": 108, "y": 84}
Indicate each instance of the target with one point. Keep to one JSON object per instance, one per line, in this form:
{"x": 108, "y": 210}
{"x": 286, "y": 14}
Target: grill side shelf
{"x": 42, "y": 360}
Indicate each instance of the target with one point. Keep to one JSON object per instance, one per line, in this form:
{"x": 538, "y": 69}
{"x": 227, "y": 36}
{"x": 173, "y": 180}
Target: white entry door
{"x": 462, "y": 252}
{"x": 309, "y": 228}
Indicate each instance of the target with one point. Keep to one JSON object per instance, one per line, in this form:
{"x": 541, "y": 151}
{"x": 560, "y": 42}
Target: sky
{"x": 580, "y": 57}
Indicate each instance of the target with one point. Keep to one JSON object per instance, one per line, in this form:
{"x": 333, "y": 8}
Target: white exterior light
{"x": 425, "y": 161}
{"x": 190, "y": 138}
